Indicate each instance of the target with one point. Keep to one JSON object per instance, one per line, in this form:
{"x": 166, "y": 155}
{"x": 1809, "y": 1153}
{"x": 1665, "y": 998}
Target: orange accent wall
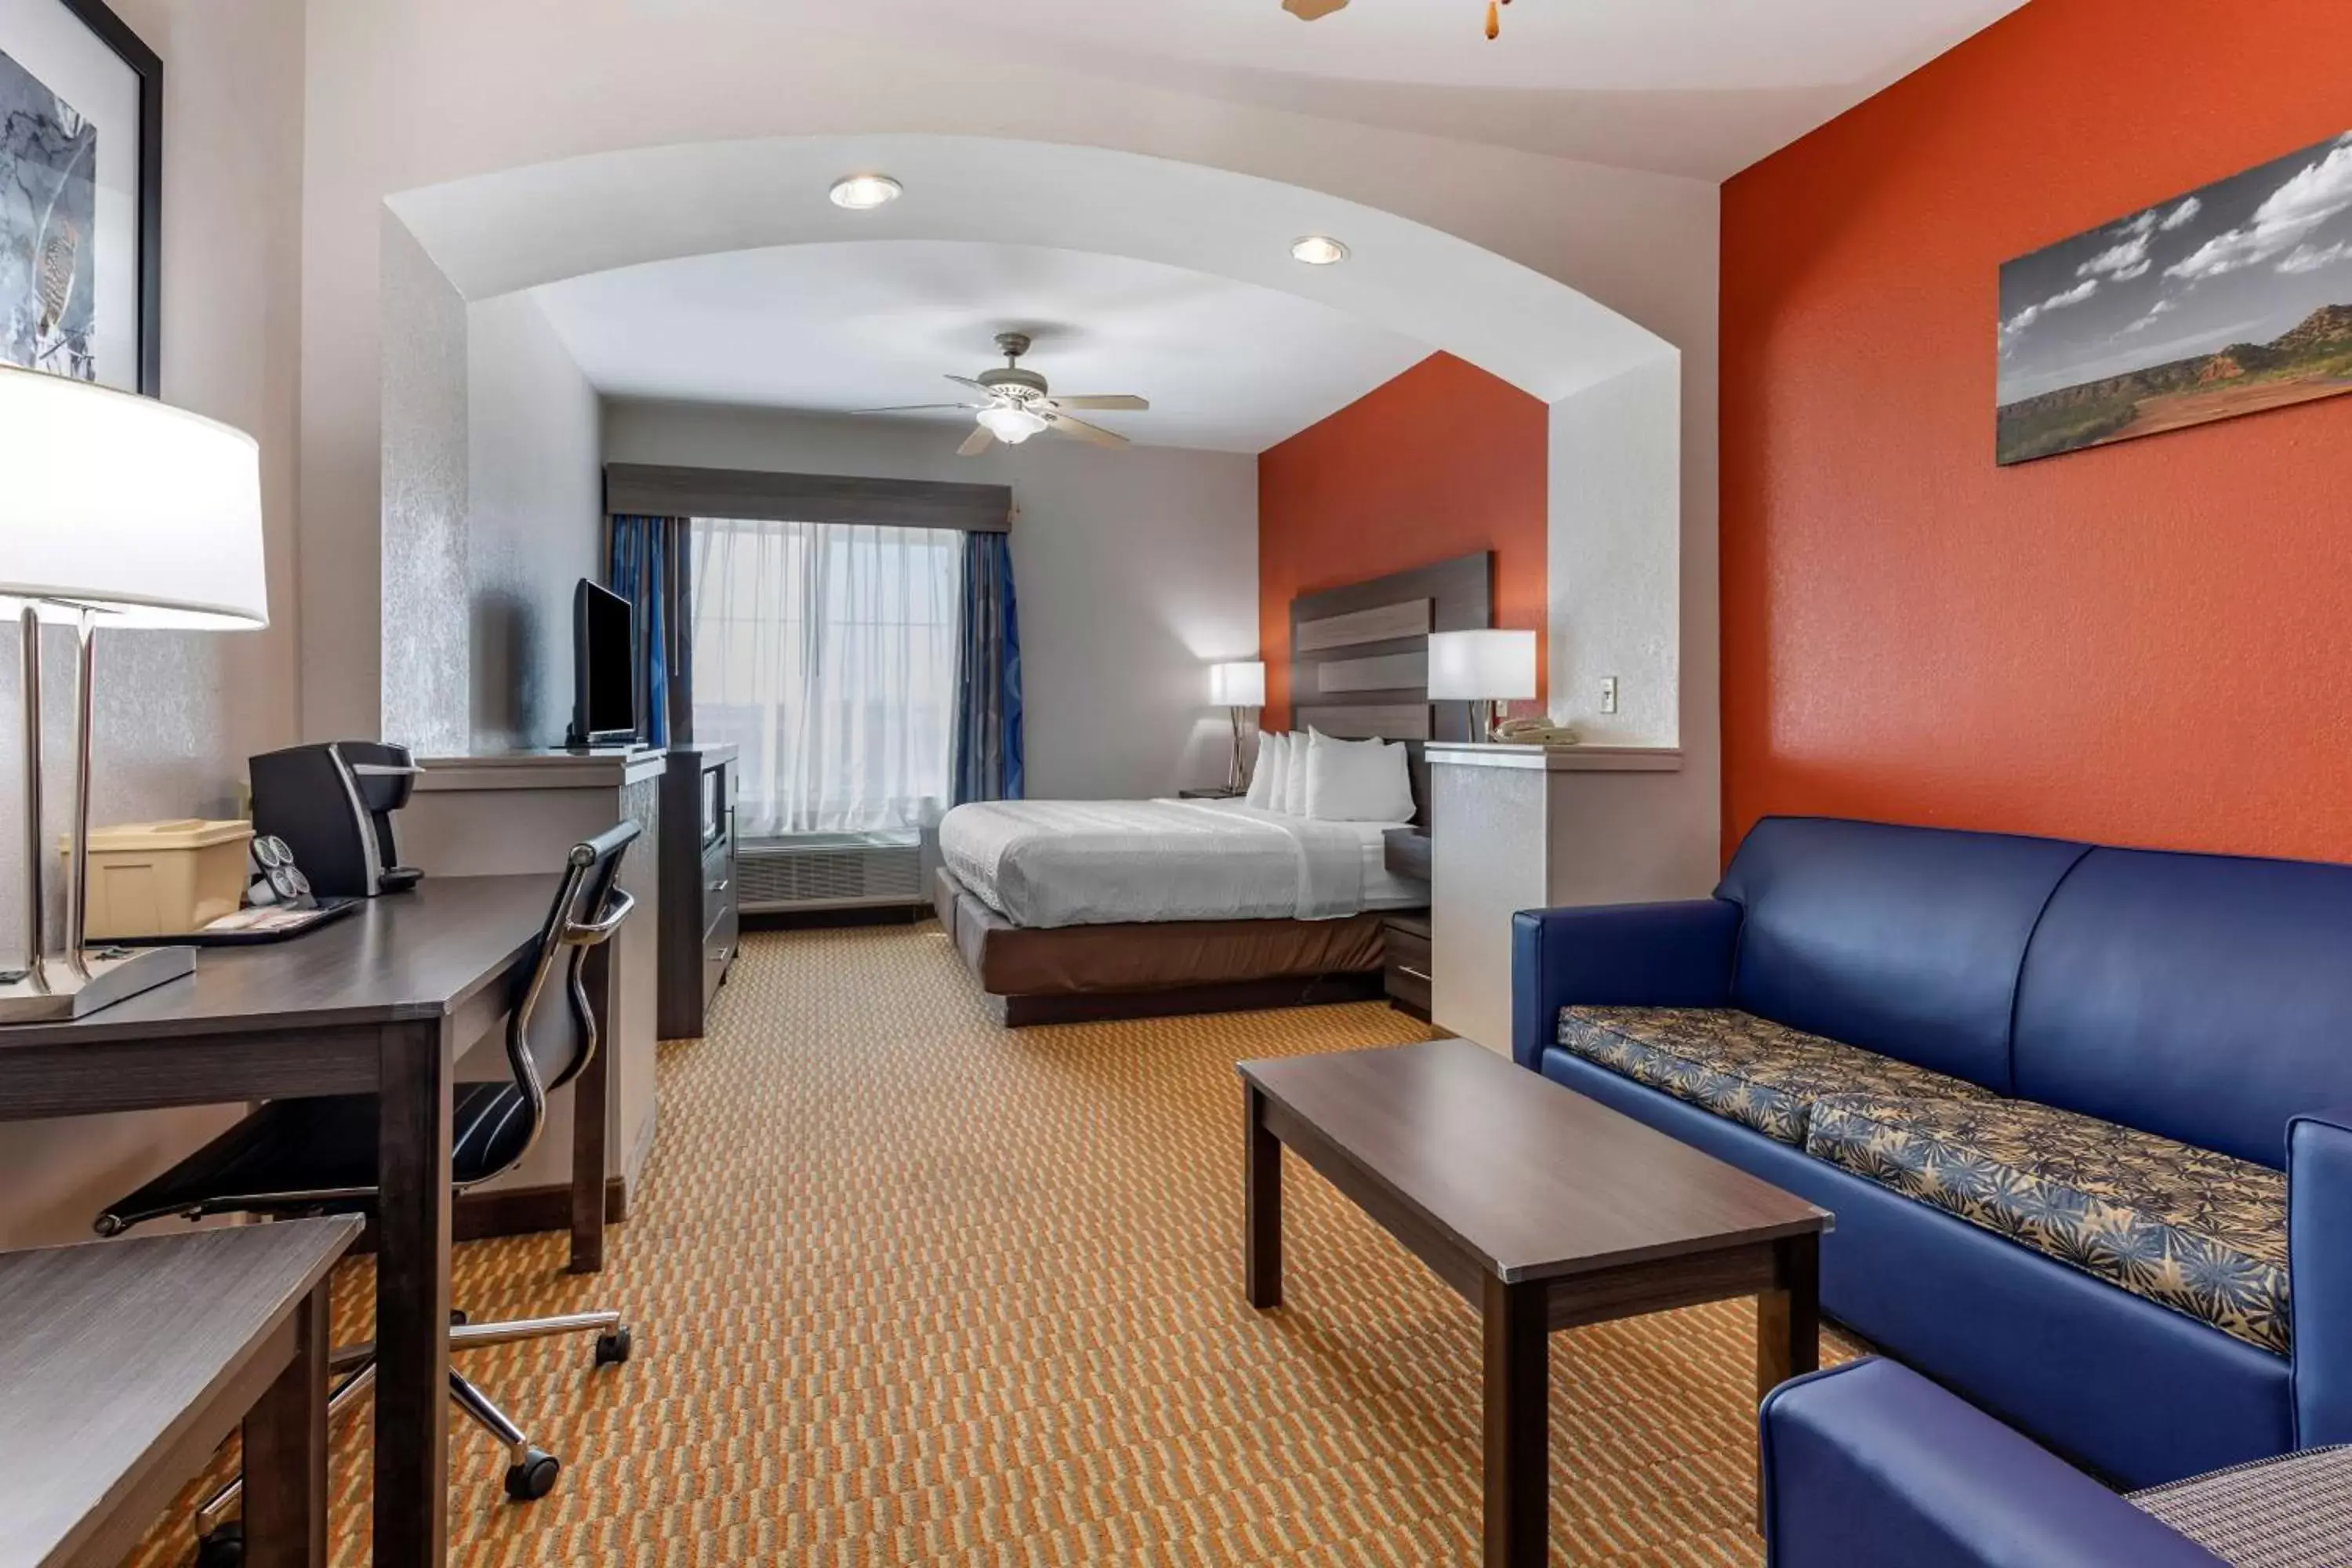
{"x": 1442, "y": 461}
{"x": 2149, "y": 643}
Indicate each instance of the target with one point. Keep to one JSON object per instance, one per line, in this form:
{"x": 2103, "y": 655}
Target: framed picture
{"x": 2233, "y": 299}
{"x": 81, "y": 194}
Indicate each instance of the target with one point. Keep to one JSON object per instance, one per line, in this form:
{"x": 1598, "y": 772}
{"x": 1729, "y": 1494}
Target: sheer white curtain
{"x": 828, "y": 653}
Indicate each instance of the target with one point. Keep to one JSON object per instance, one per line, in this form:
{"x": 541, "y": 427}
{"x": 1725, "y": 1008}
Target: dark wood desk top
{"x": 419, "y": 954}
{"x": 107, "y": 1349}
{"x": 1530, "y": 1178}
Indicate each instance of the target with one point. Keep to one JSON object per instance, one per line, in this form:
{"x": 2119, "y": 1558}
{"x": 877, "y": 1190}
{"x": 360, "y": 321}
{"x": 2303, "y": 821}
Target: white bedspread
{"x": 1061, "y": 863}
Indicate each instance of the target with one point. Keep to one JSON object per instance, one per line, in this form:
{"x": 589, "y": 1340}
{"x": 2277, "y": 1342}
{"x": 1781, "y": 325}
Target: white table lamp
{"x": 1483, "y": 669}
{"x": 1239, "y": 688}
{"x": 115, "y": 511}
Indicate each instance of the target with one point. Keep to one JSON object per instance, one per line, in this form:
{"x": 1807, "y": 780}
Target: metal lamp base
{"x": 61, "y": 993}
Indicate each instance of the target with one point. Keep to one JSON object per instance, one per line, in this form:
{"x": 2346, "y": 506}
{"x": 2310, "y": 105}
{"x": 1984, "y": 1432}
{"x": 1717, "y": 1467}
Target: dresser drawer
{"x": 1407, "y": 966}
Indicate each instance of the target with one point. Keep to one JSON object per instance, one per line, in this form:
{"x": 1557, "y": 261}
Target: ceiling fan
{"x": 1314, "y": 10}
{"x": 1018, "y": 404}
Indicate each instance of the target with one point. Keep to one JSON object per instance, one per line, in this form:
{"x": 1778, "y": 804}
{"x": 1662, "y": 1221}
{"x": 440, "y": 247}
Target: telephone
{"x": 1534, "y": 732}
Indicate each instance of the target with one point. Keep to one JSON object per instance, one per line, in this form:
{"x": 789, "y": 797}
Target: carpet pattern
{"x": 909, "y": 1289}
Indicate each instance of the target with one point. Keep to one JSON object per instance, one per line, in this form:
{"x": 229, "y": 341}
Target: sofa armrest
{"x": 1616, "y": 955}
{"x": 1872, "y": 1463}
{"x": 2319, "y": 1263}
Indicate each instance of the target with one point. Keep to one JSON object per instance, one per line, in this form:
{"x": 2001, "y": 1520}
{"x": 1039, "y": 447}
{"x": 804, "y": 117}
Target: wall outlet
{"x": 1609, "y": 694}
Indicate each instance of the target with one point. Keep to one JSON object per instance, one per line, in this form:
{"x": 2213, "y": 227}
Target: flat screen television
{"x": 603, "y": 666}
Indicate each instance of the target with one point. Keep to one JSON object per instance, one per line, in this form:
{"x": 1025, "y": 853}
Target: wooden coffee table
{"x": 1545, "y": 1210}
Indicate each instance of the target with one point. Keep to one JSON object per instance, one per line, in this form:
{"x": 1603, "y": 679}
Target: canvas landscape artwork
{"x": 2231, "y": 300}
{"x": 48, "y": 228}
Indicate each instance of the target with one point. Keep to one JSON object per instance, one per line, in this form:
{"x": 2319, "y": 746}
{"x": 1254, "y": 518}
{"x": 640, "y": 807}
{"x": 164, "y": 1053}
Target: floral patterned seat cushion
{"x": 1758, "y": 1073}
{"x": 2200, "y": 1232}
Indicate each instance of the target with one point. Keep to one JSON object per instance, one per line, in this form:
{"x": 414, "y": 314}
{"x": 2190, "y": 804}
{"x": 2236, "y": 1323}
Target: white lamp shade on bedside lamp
{"x": 145, "y": 513}
{"x": 1238, "y": 685}
{"x": 1482, "y": 667}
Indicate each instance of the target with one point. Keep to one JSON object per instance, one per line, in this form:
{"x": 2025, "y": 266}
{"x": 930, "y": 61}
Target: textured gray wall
{"x": 534, "y": 523}
{"x": 425, "y": 495}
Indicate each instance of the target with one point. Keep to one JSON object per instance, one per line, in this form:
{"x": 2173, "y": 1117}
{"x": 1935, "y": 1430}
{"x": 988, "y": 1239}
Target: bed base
{"x": 1082, "y": 974}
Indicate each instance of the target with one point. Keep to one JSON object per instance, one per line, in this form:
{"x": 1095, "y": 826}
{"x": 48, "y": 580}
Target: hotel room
{"x": 1321, "y": 782}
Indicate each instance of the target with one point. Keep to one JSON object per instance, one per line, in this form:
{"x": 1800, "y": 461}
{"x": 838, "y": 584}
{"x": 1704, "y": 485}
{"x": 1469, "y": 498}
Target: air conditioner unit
{"x": 829, "y": 871}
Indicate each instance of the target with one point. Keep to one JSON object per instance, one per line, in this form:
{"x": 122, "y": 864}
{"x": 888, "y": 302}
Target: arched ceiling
{"x": 834, "y": 327}
{"x": 521, "y": 228}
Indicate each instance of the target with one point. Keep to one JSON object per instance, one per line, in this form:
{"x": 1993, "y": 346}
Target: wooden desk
{"x": 382, "y": 1002}
{"x": 124, "y": 1363}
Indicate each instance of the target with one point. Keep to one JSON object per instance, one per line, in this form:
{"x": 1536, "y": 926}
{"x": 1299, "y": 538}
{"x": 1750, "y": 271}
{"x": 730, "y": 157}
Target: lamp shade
{"x": 146, "y": 513}
{"x": 1237, "y": 685}
{"x": 1482, "y": 667}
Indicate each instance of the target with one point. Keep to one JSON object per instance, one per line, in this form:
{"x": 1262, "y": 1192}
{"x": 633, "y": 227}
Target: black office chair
{"x": 314, "y": 1157}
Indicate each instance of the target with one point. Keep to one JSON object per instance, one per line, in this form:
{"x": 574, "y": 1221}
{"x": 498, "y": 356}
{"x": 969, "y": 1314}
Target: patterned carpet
{"x": 909, "y": 1288}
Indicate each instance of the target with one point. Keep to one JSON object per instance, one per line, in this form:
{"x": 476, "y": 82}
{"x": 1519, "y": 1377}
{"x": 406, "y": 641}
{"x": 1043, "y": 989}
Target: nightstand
{"x": 1219, "y": 792}
{"x": 1406, "y": 973}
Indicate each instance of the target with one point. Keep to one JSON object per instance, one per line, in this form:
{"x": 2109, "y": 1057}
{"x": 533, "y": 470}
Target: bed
{"x": 1072, "y": 911}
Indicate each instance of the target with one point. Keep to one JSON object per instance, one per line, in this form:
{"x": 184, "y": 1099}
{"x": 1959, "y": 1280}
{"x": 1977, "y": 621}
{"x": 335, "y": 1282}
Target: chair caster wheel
{"x": 534, "y": 1478}
{"x": 223, "y": 1548}
{"x": 612, "y": 1348}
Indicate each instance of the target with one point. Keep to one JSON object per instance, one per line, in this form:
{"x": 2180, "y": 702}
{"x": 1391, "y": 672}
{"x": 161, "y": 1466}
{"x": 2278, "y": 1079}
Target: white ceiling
{"x": 834, "y": 327}
{"x": 1694, "y": 87}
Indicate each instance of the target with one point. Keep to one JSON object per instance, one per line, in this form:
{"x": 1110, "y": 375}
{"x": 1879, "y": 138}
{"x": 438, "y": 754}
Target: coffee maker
{"x": 332, "y": 804}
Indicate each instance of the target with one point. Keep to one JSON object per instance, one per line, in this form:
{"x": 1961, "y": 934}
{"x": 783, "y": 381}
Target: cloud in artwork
{"x": 2155, "y": 312}
{"x": 2121, "y": 262}
{"x": 2292, "y": 213}
{"x": 2311, "y": 258}
{"x": 2032, "y": 314}
{"x": 2183, "y": 215}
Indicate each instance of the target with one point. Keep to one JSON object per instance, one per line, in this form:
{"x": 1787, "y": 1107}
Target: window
{"x": 826, "y": 652}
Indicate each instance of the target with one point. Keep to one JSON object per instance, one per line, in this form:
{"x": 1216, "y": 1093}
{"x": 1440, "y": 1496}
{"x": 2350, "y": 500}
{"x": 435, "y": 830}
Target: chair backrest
{"x": 547, "y": 1044}
{"x": 1903, "y": 941}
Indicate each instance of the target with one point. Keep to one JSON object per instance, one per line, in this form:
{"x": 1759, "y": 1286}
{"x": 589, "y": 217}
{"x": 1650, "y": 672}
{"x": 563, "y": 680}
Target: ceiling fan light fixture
{"x": 1318, "y": 250}
{"x": 1009, "y": 425}
{"x": 864, "y": 193}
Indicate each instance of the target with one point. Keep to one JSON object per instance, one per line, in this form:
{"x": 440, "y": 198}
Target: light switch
{"x": 1609, "y": 694}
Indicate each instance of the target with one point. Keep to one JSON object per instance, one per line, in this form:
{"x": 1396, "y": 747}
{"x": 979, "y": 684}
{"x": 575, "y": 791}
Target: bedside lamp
{"x": 1239, "y": 688}
{"x": 115, "y": 511}
{"x": 1482, "y": 669}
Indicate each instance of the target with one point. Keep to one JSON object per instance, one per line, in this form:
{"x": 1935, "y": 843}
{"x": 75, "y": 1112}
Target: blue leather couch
{"x": 2202, "y": 999}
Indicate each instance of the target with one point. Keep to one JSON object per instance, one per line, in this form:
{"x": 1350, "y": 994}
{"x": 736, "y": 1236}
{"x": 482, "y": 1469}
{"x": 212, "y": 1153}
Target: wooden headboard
{"x": 1360, "y": 656}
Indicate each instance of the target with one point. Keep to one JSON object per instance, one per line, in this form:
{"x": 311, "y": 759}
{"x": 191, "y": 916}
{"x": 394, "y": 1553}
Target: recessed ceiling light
{"x": 1319, "y": 250}
{"x": 860, "y": 193}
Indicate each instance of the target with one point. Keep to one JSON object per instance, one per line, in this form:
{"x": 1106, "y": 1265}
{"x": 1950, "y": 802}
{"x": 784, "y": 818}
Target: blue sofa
{"x": 1915, "y": 1027}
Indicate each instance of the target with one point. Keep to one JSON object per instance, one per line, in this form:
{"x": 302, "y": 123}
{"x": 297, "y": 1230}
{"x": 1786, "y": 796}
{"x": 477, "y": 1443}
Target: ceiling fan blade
{"x": 967, "y": 381}
{"x": 979, "y": 441}
{"x": 915, "y": 407}
{"x": 1105, "y": 400}
{"x": 1062, "y": 425}
{"x": 1310, "y": 10}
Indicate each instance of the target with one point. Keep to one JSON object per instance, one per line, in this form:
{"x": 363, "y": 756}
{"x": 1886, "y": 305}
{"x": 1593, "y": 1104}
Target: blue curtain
{"x": 988, "y": 765}
{"x": 648, "y": 568}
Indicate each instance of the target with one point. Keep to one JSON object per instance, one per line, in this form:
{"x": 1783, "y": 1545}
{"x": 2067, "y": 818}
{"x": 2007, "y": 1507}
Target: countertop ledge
{"x": 1557, "y": 759}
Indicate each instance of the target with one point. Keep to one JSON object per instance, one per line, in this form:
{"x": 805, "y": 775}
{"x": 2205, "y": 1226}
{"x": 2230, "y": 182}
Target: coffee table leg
{"x": 1789, "y": 1317}
{"x": 1518, "y": 1425}
{"x": 1787, "y": 1330}
{"x": 1262, "y": 1197}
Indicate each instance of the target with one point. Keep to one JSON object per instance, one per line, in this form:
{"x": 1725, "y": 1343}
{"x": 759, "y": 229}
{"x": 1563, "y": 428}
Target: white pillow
{"x": 1292, "y": 797}
{"x": 1266, "y": 772}
{"x": 1357, "y": 781}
